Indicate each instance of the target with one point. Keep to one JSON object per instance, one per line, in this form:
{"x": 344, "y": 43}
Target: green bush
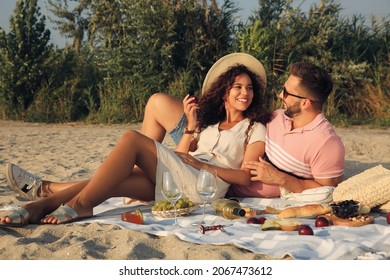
{"x": 279, "y": 35}
{"x": 135, "y": 48}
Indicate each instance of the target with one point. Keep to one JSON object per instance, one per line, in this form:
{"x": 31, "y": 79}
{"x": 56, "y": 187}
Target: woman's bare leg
{"x": 137, "y": 185}
{"x": 132, "y": 149}
{"x": 117, "y": 176}
{"x": 162, "y": 114}
{"x": 49, "y": 188}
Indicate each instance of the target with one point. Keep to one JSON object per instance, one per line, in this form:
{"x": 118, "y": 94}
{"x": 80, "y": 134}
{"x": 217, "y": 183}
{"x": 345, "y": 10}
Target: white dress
{"x": 220, "y": 148}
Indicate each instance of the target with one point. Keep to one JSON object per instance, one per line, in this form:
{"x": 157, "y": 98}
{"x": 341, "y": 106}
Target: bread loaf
{"x": 271, "y": 210}
{"x": 304, "y": 211}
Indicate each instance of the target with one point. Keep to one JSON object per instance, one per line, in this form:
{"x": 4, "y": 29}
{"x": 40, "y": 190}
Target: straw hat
{"x": 233, "y": 59}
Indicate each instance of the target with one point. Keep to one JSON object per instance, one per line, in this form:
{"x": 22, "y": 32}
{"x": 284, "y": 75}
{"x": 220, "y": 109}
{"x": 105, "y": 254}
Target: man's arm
{"x": 266, "y": 173}
{"x": 296, "y": 185}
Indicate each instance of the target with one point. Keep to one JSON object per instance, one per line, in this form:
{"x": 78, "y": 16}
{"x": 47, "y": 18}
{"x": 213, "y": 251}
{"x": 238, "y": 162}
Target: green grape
{"x": 165, "y": 205}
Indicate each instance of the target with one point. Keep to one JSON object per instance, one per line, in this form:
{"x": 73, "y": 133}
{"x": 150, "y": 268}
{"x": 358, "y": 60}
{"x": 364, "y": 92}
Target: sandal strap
{"x": 18, "y": 214}
{"x": 63, "y": 213}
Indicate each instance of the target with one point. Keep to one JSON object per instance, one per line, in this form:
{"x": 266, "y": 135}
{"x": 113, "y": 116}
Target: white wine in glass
{"x": 206, "y": 187}
{"x": 172, "y": 191}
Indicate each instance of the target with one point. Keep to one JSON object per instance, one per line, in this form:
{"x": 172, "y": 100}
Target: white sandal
{"x": 16, "y": 217}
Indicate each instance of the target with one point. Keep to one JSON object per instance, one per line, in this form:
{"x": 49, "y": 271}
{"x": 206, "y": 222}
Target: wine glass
{"x": 171, "y": 191}
{"x": 206, "y": 186}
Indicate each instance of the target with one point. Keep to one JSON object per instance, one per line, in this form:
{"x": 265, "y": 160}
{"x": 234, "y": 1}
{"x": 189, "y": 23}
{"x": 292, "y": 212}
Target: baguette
{"x": 271, "y": 210}
{"x": 304, "y": 211}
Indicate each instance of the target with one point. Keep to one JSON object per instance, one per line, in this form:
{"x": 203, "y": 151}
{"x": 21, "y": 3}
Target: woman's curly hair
{"x": 211, "y": 104}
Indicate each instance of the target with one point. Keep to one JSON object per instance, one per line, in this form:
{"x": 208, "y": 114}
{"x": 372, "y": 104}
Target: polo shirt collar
{"x": 310, "y": 126}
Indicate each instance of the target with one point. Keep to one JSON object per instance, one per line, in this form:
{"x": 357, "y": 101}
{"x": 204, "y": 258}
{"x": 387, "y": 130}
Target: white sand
{"x": 74, "y": 151}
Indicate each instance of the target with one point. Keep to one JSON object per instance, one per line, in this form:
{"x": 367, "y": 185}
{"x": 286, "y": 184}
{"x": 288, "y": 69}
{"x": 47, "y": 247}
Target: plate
{"x": 358, "y": 221}
{"x": 171, "y": 213}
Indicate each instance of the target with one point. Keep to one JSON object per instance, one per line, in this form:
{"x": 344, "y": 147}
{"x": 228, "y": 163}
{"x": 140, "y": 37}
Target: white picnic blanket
{"x": 328, "y": 243}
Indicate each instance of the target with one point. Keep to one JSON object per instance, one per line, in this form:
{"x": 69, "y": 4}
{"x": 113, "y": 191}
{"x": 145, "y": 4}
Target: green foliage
{"x": 70, "y": 23}
{"x": 121, "y": 100}
{"x": 182, "y": 83}
{"x": 70, "y": 92}
{"x": 23, "y": 55}
{"x": 123, "y": 51}
{"x": 176, "y": 37}
{"x": 355, "y": 54}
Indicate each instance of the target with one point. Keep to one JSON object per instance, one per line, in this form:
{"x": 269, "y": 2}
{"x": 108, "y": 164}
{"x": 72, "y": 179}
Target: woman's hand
{"x": 190, "y": 108}
{"x": 188, "y": 142}
{"x": 190, "y": 160}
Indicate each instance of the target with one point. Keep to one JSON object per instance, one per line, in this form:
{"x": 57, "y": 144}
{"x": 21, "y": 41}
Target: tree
{"x": 355, "y": 54}
{"x": 23, "y": 54}
{"x": 153, "y": 45}
{"x": 71, "y": 23}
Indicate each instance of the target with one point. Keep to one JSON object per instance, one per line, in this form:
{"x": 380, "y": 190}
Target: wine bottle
{"x": 228, "y": 209}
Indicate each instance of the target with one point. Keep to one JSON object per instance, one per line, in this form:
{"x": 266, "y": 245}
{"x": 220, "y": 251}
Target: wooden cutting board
{"x": 357, "y": 221}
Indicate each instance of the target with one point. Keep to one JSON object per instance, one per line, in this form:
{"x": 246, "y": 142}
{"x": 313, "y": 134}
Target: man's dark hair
{"x": 315, "y": 80}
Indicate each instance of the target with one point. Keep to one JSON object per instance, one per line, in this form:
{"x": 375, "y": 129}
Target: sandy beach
{"x": 73, "y": 151}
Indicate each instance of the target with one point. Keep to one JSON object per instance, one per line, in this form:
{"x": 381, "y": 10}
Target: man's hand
{"x": 263, "y": 171}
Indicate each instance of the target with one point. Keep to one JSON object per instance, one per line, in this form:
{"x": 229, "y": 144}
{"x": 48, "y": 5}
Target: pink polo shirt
{"x": 313, "y": 151}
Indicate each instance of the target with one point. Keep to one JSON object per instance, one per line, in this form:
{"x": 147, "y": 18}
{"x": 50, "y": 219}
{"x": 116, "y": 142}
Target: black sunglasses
{"x": 286, "y": 93}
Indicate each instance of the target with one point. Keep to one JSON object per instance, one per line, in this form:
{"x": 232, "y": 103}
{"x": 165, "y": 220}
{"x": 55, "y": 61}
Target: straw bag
{"x": 371, "y": 187}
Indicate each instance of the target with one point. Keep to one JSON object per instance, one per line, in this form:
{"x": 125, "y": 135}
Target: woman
{"x": 227, "y": 126}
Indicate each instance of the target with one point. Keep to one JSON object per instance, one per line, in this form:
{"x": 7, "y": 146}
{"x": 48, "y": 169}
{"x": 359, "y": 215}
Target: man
{"x": 302, "y": 149}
